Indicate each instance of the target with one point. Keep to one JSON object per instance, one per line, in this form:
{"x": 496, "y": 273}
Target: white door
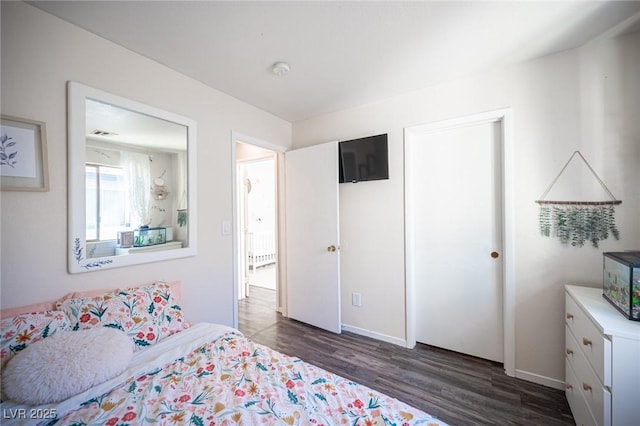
{"x": 457, "y": 238}
{"x": 313, "y": 257}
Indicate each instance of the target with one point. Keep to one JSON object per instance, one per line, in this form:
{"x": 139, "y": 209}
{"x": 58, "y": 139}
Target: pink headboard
{"x": 50, "y": 305}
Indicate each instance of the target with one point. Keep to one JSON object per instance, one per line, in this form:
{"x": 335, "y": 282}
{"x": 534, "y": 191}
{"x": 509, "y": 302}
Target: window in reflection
{"x": 107, "y": 211}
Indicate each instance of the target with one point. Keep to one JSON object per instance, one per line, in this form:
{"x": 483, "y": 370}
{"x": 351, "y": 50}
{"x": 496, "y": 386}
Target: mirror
{"x": 132, "y": 186}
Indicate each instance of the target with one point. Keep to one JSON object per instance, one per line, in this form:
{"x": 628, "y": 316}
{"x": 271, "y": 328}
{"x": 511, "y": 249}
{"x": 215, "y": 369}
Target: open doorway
{"x": 257, "y": 231}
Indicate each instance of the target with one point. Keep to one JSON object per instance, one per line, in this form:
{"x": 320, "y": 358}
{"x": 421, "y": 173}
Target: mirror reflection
{"x": 129, "y": 182}
{"x": 135, "y": 181}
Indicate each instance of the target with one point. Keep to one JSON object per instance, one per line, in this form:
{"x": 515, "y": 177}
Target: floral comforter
{"x": 192, "y": 378}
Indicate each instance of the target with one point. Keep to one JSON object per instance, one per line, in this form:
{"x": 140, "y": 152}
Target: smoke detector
{"x": 280, "y": 68}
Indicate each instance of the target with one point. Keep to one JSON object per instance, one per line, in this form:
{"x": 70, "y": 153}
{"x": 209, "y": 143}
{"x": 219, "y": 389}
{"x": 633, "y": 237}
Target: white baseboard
{"x": 520, "y": 374}
{"x": 374, "y": 335}
{"x": 541, "y": 380}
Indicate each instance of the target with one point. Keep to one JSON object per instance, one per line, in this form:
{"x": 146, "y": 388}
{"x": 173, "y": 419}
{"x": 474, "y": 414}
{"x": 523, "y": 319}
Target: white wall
{"x": 585, "y": 99}
{"x": 40, "y": 53}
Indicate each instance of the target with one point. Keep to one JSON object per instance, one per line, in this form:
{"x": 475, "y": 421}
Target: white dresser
{"x": 602, "y": 360}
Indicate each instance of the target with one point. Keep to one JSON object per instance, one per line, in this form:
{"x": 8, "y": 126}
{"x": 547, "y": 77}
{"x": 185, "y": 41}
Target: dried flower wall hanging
{"x": 576, "y": 222}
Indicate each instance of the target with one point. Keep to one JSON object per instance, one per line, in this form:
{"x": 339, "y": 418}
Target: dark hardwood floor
{"x": 458, "y": 389}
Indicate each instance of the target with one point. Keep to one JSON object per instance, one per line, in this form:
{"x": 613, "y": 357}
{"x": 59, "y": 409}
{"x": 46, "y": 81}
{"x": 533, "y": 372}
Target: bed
{"x": 169, "y": 371}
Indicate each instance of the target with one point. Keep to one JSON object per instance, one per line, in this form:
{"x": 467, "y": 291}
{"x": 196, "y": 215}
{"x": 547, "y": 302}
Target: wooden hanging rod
{"x": 582, "y": 203}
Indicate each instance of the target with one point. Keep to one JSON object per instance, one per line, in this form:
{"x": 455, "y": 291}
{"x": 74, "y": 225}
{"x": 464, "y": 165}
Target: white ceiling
{"x": 342, "y": 54}
{"x": 127, "y": 127}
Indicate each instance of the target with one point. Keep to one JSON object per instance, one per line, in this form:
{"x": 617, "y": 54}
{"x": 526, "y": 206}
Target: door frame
{"x": 280, "y": 221}
{"x": 508, "y": 280}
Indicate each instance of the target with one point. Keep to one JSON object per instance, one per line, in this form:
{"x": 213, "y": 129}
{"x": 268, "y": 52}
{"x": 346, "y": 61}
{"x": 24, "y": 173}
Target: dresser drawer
{"x": 597, "y": 397}
{"x": 595, "y": 346}
{"x": 579, "y": 409}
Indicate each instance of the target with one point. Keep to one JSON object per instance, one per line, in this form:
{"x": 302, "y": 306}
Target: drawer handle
{"x": 586, "y": 342}
{"x": 569, "y": 351}
{"x": 569, "y": 386}
{"x": 586, "y": 387}
{"x": 569, "y": 316}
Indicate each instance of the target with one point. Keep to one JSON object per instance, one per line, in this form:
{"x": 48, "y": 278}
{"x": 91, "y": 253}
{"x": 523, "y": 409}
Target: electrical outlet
{"x": 356, "y": 299}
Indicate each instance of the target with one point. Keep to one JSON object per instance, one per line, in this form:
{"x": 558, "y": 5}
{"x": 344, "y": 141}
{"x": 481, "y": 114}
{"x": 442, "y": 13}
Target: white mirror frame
{"x": 77, "y": 94}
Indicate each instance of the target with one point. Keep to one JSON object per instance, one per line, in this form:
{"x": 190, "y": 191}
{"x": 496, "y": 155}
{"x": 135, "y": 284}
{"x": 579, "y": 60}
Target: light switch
{"x": 226, "y": 227}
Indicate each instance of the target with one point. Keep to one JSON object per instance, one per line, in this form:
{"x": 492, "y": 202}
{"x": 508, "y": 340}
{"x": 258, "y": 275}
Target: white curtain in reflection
{"x": 138, "y": 170}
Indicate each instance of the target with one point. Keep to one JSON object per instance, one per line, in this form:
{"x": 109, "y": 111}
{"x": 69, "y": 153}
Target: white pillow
{"x": 65, "y": 364}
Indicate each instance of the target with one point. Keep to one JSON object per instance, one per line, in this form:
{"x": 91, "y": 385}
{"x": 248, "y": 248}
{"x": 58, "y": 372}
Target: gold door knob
{"x": 569, "y": 386}
{"x": 495, "y": 254}
{"x": 569, "y": 351}
{"x": 331, "y": 248}
{"x": 586, "y": 386}
{"x": 586, "y": 341}
{"x": 569, "y": 316}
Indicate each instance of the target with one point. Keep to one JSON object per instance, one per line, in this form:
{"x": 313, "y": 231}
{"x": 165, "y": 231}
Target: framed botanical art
{"x": 23, "y": 155}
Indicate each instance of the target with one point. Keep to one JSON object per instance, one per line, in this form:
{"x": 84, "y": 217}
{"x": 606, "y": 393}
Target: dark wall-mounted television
{"x": 364, "y": 159}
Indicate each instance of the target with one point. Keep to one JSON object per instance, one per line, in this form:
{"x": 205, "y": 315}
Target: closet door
{"x": 313, "y": 256}
{"x": 457, "y": 238}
